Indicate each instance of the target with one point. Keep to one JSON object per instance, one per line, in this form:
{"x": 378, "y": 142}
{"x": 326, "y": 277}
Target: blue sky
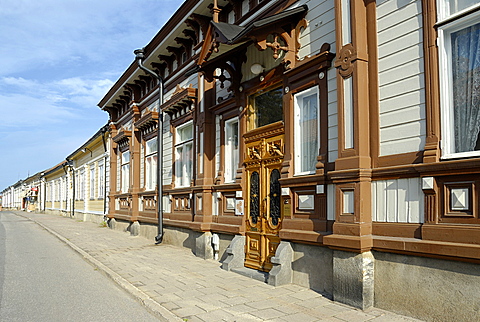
{"x": 58, "y": 60}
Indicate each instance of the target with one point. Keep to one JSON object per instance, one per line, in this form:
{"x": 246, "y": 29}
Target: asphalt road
{"x": 42, "y": 279}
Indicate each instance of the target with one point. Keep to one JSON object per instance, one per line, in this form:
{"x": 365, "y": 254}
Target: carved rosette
{"x": 278, "y": 43}
{"x": 345, "y": 60}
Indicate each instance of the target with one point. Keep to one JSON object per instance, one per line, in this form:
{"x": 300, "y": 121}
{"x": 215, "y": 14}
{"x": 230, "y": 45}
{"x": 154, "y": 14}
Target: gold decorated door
{"x": 264, "y": 156}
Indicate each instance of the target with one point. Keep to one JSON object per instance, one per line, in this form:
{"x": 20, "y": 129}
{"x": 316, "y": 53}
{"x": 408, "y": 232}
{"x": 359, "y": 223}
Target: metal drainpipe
{"x": 139, "y": 56}
{"x": 44, "y": 189}
{"x": 70, "y": 163}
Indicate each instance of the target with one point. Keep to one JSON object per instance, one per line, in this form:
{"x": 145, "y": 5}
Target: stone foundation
{"x": 199, "y": 243}
{"x": 313, "y": 267}
{"x": 353, "y": 278}
{"x": 427, "y": 288}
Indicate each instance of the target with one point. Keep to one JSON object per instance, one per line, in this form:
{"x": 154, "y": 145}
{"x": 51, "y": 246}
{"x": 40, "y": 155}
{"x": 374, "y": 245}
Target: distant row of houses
{"x": 77, "y": 186}
{"x": 331, "y": 144}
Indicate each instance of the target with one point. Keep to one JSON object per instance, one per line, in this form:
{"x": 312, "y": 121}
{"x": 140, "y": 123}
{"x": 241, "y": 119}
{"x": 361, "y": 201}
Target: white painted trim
{"x": 346, "y": 22}
{"x": 200, "y": 151}
{"x": 348, "y": 117}
{"x": 348, "y": 202}
{"x": 227, "y": 158}
{"x": 298, "y": 153}
{"x": 446, "y": 86}
{"x": 427, "y": 183}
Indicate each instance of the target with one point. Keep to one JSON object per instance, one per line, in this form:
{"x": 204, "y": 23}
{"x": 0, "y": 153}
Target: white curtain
{"x": 309, "y": 135}
{"x": 466, "y": 87}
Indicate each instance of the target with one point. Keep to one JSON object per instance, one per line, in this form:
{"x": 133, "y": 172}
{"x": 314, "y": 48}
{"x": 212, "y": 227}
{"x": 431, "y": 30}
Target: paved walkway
{"x": 175, "y": 285}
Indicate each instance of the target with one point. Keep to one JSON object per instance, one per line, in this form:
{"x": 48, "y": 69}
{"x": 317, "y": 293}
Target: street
{"x": 42, "y": 279}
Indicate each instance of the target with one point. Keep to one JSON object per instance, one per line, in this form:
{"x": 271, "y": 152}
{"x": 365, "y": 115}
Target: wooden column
{"x": 355, "y": 62}
{"x": 205, "y": 122}
{"x": 432, "y": 79}
{"x": 113, "y": 173}
{"x": 135, "y": 161}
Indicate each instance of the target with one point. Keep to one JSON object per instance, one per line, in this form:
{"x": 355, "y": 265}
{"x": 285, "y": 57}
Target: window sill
{"x": 303, "y": 174}
{"x": 461, "y": 155}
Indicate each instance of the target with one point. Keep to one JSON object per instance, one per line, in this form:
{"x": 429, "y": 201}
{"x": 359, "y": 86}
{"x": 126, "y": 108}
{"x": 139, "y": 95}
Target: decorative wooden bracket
{"x": 302, "y": 24}
{"x": 345, "y": 60}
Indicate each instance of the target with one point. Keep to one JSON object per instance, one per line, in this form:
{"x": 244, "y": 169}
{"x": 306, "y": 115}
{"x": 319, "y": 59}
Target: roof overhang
{"x": 234, "y": 36}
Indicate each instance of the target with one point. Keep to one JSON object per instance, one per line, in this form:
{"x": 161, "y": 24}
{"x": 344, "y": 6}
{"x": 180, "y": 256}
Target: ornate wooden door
{"x": 264, "y": 156}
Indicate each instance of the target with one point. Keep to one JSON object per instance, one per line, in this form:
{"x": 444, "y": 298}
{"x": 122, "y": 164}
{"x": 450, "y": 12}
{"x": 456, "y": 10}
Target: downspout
{"x": 139, "y": 56}
{"x": 44, "y": 189}
{"x": 70, "y": 164}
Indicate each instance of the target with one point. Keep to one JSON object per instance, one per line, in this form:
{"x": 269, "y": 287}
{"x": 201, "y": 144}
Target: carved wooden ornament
{"x": 345, "y": 59}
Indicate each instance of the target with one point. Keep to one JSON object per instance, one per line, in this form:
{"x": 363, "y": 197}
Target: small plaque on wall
{"x": 239, "y": 207}
{"x": 231, "y": 203}
{"x": 287, "y": 208}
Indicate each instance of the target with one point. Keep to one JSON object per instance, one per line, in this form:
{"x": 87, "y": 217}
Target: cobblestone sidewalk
{"x": 177, "y": 286}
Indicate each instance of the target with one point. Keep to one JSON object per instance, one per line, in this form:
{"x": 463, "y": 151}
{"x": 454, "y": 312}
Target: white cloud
{"x": 19, "y": 110}
{"x": 86, "y": 93}
{"x": 74, "y": 91}
{"x": 59, "y": 33}
{"x": 59, "y": 58}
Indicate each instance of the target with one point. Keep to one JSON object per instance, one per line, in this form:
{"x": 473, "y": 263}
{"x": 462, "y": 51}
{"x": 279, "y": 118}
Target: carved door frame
{"x": 263, "y": 161}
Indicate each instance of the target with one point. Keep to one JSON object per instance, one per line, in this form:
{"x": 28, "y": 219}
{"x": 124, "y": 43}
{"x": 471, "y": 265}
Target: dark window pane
{"x": 269, "y": 107}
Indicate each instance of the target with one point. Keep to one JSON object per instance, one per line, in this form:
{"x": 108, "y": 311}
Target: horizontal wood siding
{"x": 331, "y": 202}
{"x": 142, "y": 166}
{"x": 107, "y": 182}
{"x": 401, "y": 76}
{"x": 217, "y": 144}
{"x": 332, "y": 116}
{"x": 95, "y": 205}
{"x": 167, "y": 151}
{"x": 399, "y": 200}
{"x": 119, "y": 175}
{"x": 320, "y": 30}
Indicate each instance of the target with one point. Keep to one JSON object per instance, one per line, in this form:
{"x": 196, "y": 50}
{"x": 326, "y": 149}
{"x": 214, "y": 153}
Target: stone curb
{"x": 150, "y": 304}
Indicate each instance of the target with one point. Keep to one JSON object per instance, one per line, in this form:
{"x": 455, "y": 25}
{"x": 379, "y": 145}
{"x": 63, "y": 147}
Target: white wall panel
{"x": 408, "y": 54}
{"x": 403, "y": 101}
{"x": 401, "y": 86}
{"x": 320, "y": 29}
{"x": 399, "y": 200}
{"x": 331, "y": 202}
{"x": 401, "y": 76}
{"x": 142, "y": 166}
{"x": 332, "y": 115}
{"x": 403, "y": 131}
{"x": 217, "y": 145}
{"x": 167, "y": 151}
{"x": 405, "y": 115}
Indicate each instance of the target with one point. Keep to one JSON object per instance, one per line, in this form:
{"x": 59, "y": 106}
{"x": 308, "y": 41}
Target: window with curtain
{"x": 81, "y": 192}
{"x": 151, "y": 164}
{"x": 125, "y": 171}
{"x": 77, "y": 186}
{"x": 231, "y": 149}
{"x": 307, "y": 129}
{"x": 101, "y": 181}
{"x": 92, "y": 182}
{"x": 459, "y": 52}
{"x": 184, "y": 155}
